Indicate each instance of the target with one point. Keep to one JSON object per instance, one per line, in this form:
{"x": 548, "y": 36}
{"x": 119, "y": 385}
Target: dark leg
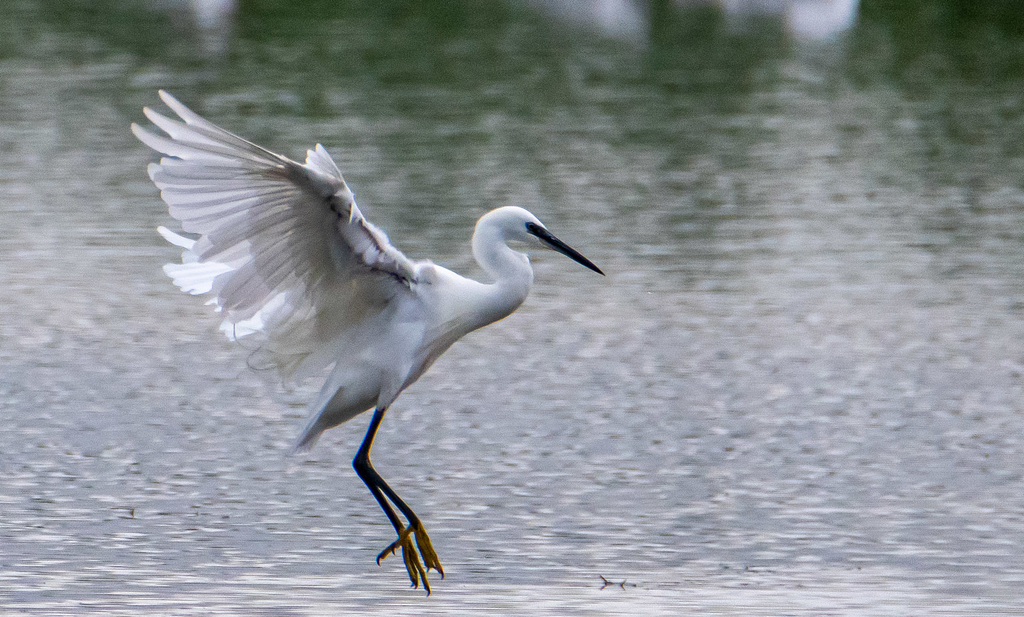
{"x": 369, "y": 475}
{"x": 379, "y": 489}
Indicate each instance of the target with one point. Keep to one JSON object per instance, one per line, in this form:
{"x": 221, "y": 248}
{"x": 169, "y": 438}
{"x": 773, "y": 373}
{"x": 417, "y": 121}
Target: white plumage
{"x": 286, "y": 255}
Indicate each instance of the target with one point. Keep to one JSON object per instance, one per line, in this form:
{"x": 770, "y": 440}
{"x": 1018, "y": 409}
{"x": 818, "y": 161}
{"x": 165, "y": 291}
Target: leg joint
{"x": 361, "y": 463}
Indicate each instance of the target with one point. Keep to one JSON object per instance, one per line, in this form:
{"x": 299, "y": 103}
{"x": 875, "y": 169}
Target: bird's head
{"x": 521, "y": 225}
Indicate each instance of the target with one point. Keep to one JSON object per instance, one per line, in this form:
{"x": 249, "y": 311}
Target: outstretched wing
{"x": 278, "y": 241}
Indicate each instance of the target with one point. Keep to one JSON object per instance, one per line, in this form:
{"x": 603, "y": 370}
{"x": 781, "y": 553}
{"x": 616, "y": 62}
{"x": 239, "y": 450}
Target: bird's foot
{"x": 411, "y": 555}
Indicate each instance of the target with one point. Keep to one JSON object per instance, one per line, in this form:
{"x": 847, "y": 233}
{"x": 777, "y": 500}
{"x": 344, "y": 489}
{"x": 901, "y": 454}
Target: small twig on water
{"x": 622, "y": 585}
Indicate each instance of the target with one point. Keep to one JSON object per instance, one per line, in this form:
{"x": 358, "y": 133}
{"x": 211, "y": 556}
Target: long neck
{"x": 510, "y": 270}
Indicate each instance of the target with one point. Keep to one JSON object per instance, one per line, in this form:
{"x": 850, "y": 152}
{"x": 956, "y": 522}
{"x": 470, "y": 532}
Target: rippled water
{"x": 797, "y": 392}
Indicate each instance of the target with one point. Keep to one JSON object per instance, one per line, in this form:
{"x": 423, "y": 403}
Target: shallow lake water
{"x": 797, "y": 392}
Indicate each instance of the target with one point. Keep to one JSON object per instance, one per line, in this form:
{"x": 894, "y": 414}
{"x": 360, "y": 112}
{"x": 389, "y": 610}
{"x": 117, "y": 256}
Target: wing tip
{"x": 154, "y": 141}
{"x": 167, "y": 97}
{"x": 149, "y": 113}
{"x": 183, "y": 111}
{"x": 175, "y": 239}
{"x": 138, "y": 131}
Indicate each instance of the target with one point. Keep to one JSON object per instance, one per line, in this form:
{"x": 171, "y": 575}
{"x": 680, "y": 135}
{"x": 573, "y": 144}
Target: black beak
{"x": 555, "y": 244}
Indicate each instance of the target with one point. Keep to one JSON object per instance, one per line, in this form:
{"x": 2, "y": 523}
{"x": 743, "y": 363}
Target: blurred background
{"x": 798, "y": 391}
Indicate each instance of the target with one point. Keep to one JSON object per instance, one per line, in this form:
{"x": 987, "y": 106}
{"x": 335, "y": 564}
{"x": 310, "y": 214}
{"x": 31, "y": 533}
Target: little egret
{"x": 287, "y": 255}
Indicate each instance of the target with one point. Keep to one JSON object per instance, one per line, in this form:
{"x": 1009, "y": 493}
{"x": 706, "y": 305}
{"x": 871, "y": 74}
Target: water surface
{"x": 798, "y": 391}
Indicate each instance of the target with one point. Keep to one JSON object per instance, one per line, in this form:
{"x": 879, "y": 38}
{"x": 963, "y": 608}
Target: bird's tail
{"x": 308, "y": 438}
{"x": 317, "y": 420}
{"x": 334, "y": 405}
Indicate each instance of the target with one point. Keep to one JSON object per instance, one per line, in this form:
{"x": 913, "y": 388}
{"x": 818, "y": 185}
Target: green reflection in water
{"x": 439, "y": 110}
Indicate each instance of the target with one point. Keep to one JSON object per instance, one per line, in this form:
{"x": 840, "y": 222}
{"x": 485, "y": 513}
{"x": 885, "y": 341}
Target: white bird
{"x": 288, "y": 258}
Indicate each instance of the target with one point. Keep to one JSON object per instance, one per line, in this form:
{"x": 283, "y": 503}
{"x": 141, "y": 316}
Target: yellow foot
{"x": 413, "y": 565}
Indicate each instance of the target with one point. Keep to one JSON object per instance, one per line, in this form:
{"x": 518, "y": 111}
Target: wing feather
{"x": 278, "y": 240}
